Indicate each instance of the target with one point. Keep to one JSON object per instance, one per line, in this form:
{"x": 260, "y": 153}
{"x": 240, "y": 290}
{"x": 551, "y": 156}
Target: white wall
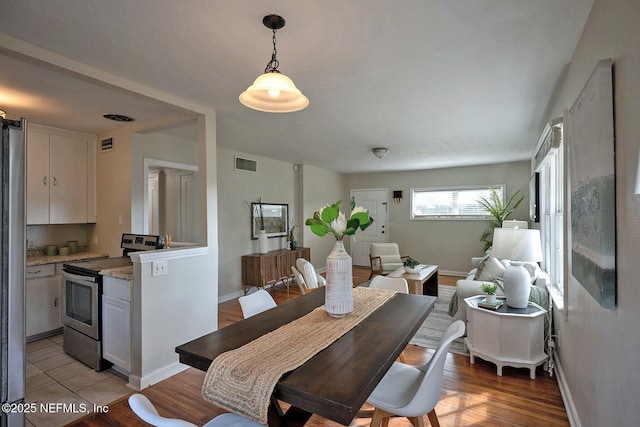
{"x": 321, "y": 187}
{"x": 157, "y": 146}
{"x": 599, "y": 348}
{"x": 168, "y": 311}
{"x": 119, "y": 171}
{"x": 273, "y": 183}
{"x": 448, "y": 244}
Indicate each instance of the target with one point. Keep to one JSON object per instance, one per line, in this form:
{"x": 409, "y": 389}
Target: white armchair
{"x": 385, "y": 258}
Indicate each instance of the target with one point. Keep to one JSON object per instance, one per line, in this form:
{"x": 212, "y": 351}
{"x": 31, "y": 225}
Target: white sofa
{"x": 469, "y": 287}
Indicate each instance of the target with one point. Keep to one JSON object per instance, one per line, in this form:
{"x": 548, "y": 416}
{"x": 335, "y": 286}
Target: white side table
{"x": 507, "y": 336}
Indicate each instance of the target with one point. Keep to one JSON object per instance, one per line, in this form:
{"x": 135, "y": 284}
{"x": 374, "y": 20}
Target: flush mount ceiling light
{"x": 273, "y": 92}
{"x": 380, "y": 152}
{"x": 118, "y": 118}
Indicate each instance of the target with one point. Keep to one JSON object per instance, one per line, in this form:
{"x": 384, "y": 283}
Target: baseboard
{"x": 453, "y": 273}
{"x": 572, "y": 415}
{"x": 140, "y": 383}
{"x": 237, "y": 294}
{"x": 229, "y": 297}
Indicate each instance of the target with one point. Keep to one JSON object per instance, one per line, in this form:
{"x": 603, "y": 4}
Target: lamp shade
{"x": 273, "y": 92}
{"x": 517, "y": 244}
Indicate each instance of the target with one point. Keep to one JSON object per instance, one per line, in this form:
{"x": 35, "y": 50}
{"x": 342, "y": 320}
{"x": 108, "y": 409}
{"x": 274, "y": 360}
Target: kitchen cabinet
{"x": 42, "y": 301}
{"x": 60, "y": 177}
{"x": 116, "y": 322}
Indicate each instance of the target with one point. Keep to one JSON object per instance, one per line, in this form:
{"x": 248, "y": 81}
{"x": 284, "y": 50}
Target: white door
{"x": 188, "y": 202}
{"x": 152, "y": 203}
{"x": 375, "y": 202}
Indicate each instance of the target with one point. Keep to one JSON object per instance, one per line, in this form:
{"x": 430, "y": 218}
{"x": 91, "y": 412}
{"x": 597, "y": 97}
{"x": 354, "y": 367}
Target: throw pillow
{"x": 489, "y": 270}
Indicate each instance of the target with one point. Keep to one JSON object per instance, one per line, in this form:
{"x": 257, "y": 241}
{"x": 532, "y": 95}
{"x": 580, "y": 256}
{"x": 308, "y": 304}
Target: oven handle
{"x": 79, "y": 278}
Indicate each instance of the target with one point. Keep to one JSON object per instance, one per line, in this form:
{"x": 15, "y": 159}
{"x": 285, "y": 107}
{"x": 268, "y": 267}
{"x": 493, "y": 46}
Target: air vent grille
{"x": 244, "y": 164}
{"x": 106, "y": 144}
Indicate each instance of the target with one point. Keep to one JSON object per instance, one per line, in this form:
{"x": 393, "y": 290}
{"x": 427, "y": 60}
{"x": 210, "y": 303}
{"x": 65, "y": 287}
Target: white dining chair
{"x": 394, "y": 283}
{"x": 412, "y": 391}
{"x": 306, "y": 277}
{"x": 255, "y": 303}
{"x": 143, "y": 408}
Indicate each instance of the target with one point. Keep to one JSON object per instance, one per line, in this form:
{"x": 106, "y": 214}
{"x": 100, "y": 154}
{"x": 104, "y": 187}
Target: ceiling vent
{"x": 243, "y": 164}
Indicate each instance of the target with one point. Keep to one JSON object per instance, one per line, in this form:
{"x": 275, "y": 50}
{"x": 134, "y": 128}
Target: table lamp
{"x": 517, "y": 245}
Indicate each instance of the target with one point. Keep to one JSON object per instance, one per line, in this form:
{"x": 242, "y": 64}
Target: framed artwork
{"x": 274, "y": 217}
{"x": 592, "y": 187}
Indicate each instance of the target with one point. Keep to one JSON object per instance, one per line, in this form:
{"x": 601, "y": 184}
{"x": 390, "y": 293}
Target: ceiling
{"x": 439, "y": 82}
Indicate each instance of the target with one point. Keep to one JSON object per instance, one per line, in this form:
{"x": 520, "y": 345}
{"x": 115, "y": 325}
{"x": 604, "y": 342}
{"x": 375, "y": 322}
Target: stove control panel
{"x": 141, "y": 242}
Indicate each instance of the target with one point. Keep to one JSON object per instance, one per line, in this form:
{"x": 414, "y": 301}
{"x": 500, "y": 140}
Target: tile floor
{"x": 64, "y": 389}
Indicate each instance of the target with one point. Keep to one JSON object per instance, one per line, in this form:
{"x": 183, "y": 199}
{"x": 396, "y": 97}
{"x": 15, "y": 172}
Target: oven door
{"x": 80, "y": 304}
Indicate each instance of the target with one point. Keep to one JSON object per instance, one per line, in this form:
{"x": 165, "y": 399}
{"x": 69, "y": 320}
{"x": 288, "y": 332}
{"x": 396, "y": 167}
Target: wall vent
{"x": 106, "y": 144}
{"x": 244, "y": 164}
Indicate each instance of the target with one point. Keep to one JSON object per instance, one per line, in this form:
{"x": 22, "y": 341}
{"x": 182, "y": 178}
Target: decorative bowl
{"x": 413, "y": 270}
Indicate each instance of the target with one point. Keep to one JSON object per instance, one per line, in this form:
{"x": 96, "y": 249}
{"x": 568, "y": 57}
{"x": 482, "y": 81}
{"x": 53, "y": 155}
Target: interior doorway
{"x": 375, "y": 201}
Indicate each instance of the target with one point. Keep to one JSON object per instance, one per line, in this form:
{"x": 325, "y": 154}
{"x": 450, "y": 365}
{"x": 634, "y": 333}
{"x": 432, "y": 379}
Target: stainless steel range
{"x": 82, "y": 299}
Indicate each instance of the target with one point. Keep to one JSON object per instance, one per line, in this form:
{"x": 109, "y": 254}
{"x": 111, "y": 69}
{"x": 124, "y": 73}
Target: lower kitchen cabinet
{"x": 42, "y": 301}
{"x": 116, "y": 322}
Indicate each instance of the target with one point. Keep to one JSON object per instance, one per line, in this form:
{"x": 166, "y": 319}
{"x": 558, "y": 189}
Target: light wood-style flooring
{"x": 472, "y": 395}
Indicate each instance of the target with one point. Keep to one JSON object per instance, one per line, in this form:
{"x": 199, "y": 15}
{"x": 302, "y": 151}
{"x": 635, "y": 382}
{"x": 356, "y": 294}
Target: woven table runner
{"x": 242, "y": 380}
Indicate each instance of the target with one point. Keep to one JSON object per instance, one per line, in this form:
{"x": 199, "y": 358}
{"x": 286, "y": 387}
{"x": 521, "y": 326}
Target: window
{"x": 451, "y": 203}
{"x": 551, "y": 215}
{"x": 549, "y": 161}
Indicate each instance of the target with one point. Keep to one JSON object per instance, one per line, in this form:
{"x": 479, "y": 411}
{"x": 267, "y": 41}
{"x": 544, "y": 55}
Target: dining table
{"x": 336, "y": 381}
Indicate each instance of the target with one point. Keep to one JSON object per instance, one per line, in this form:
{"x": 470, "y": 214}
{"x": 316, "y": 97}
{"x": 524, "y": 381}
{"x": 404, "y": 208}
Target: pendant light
{"x": 274, "y": 92}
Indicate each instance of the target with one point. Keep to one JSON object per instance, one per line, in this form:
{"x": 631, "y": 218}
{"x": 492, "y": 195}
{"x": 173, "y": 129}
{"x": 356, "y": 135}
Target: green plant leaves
{"x": 329, "y": 220}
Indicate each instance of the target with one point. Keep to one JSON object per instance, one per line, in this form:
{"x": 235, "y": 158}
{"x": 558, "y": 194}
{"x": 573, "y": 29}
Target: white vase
{"x": 517, "y": 285}
{"x": 263, "y": 242}
{"x": 491, "y": 298}
{"x": 338, "y": 300}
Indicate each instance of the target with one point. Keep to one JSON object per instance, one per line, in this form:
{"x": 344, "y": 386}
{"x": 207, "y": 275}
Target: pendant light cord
{"x": 272, "y": 66}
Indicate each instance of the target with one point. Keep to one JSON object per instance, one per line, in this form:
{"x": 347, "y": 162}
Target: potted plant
{"x": 490, "y": 290}
{"x": 499, "y": 211}
{"x": 411, "y": 265}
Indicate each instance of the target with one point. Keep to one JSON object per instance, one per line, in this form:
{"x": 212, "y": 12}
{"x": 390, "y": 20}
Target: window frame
{"x": 453, "y": 217}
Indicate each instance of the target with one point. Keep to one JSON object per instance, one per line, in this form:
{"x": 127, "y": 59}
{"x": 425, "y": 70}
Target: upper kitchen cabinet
{"x": 60, "y": 177}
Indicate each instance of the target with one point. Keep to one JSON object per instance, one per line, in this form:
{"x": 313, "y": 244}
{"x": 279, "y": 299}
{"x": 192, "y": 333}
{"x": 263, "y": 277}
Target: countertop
{"x": 45, "y": 259}
{"x": 124, "y": 273}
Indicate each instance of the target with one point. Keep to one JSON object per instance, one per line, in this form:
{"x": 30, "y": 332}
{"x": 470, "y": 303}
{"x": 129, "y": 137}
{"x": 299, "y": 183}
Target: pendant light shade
{"x": 273, "y": 92}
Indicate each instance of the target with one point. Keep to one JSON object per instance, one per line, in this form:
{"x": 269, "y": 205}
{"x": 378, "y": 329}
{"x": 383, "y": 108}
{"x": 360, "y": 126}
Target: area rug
{"x": 432, "y": 330}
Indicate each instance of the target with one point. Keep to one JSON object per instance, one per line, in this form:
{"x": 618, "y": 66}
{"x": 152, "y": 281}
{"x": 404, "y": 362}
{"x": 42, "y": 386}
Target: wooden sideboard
{"x": 262, "y": 269}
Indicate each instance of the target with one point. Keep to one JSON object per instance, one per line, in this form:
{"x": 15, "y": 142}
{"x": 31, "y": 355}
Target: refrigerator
{"x": 12, "y": 271}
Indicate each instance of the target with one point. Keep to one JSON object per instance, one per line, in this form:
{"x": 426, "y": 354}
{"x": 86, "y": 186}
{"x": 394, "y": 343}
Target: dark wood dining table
{"x": 337, "y": 381}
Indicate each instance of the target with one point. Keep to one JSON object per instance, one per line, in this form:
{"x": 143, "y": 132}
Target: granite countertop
{"x": 45, "y": 259}
{"x": 125, "y": 273}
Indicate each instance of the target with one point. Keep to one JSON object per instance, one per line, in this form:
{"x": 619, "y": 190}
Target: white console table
{"x": 507, "y": 336}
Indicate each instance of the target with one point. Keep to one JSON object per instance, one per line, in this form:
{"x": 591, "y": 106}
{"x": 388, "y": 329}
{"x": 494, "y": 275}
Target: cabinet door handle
{"x": 34, "y": 272}
{"x": 55, "y": 181}
{"x": 55, "y": 302}
{"x": 44, "y": 180}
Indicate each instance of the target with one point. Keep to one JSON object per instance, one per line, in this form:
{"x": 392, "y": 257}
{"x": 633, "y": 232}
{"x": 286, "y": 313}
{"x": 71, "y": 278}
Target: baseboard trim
{"x": 453, "y": 273}
{"x": 229, "y": 297}
{"x": 140, "y": 383}
{"x": 572, "y": 415}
